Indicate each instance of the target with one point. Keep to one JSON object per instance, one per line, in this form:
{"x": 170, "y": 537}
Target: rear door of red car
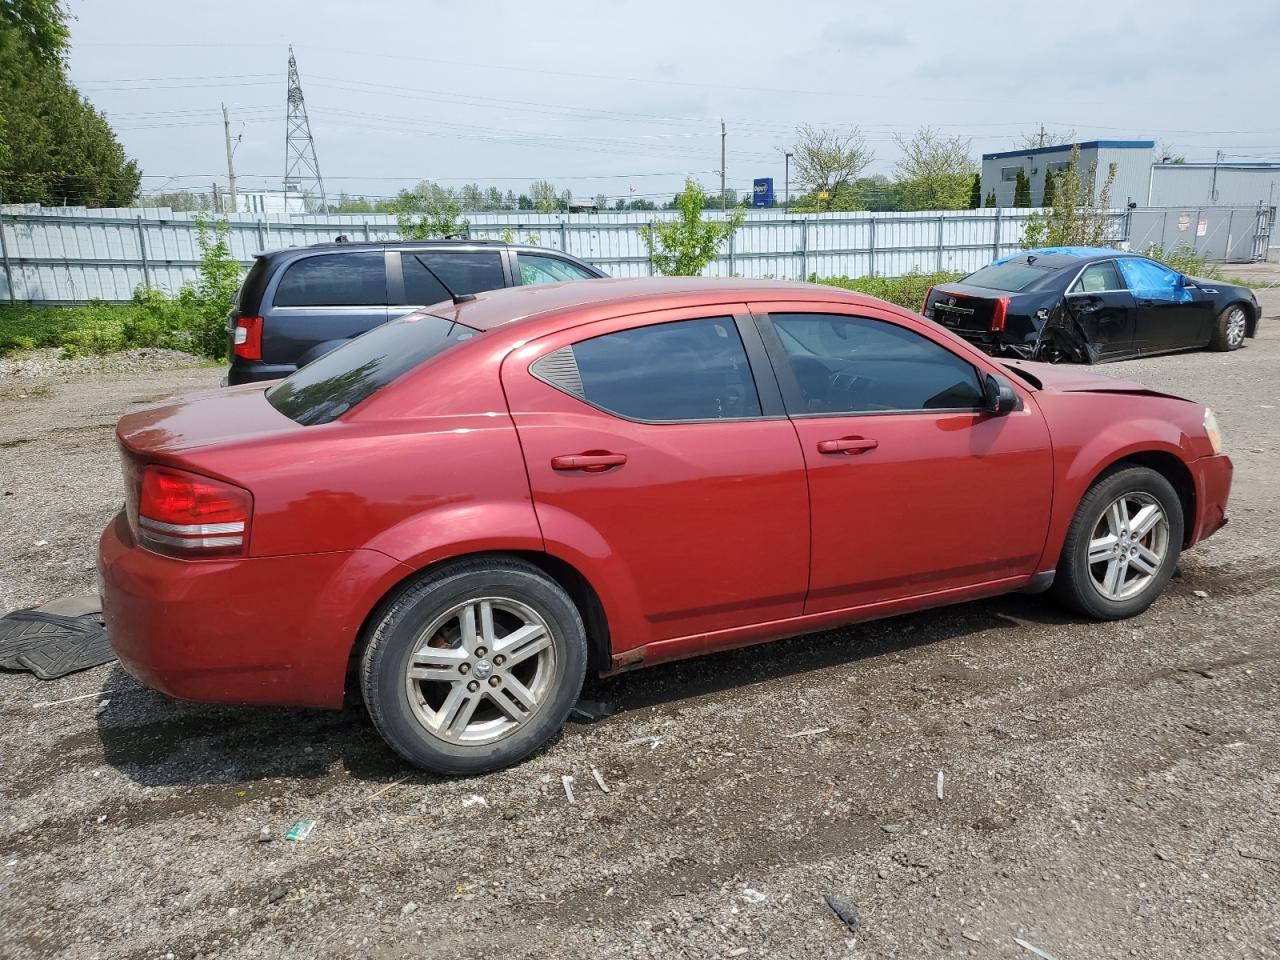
{"x": 664, "y": 467}
{"x": 914, "y": 488}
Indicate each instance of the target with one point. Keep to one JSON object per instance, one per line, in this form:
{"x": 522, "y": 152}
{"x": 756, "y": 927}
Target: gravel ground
{"x": 1111, "y": 790}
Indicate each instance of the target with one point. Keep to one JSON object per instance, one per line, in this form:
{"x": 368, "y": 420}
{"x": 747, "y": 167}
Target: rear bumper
{"x": 1212, "y": 476}
{"x": 262, "y": 630}
{"x": 251, "y": 371}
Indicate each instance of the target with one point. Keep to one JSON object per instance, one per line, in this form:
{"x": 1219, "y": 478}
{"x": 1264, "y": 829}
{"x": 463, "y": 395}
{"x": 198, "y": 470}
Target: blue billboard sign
{"x": 762, "y": 195}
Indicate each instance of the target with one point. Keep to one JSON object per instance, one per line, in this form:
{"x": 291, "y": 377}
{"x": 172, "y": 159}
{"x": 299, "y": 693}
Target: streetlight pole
{"x": 786, "y": 201}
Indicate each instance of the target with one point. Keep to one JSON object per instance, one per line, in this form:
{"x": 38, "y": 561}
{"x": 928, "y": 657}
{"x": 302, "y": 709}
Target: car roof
{"x": 457, "y": 243}
{"x": 522, "y": 304}
{"x": 1063, "y": 256}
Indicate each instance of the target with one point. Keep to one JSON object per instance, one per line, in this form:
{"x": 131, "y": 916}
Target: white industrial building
{"x": 1131, "y": 157}
{"x": 1214, "y": 184}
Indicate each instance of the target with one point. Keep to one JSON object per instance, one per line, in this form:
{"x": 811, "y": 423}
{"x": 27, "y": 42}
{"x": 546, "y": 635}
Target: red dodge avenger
{"x": 466, "y": 509}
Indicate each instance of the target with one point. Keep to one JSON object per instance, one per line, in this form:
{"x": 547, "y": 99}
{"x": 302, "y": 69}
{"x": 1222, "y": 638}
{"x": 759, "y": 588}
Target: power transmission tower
{"x": 301, "y": 168}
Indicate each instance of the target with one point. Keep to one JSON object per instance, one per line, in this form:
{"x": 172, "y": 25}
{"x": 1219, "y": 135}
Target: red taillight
{"x": 924, "y": 307}
{"x": 246, "y": 338}
{"x": 185, "y": 515}
{"x": 998, "y": 313}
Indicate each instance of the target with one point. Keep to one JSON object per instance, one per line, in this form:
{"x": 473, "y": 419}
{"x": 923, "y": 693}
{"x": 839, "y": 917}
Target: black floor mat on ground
{"x": 52, "y": 646}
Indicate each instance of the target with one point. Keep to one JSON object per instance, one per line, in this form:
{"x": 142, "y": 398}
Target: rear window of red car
{"x": 331, "y": 385}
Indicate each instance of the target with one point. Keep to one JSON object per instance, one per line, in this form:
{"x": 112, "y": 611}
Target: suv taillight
{"x": 924, "y": 308}
{"x": 182, "y": 514}
{"x": 246, "y": 338}
{"x": 998, "y": 313}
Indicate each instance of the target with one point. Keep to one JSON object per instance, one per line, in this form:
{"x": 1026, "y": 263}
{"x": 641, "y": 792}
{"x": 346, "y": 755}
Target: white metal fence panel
{"x": 69, "y": 254}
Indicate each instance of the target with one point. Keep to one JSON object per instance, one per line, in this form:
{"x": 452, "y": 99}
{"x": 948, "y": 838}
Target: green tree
{"x": 1078, "y": 216}
{"x": 975, "y": 191}
{"x": 41, "y": 26}
{"x": 991, "y": 199}
{"x": 547, "y": 199}
{"x": 429, "y": 210}
{"x": 685, "y": 246}
{"x": 827, "y": 162}
{"x": 54, "y": 146}
{"x": 935, "y": 172}
{"x": 1022, "y": 190}
{"x": 1050, "y": 189}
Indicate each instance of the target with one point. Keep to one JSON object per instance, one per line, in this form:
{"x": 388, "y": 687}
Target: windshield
{"x": 1006, "y": 276}
{"x": 331, "y": 385}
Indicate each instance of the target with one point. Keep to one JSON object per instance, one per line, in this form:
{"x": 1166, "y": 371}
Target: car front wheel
{"x": 1122, "y": 546}
{"x": 1230, "y": 329}
{"x": 475, "y": 666}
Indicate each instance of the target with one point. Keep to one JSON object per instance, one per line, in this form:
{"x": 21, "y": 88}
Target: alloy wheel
{"x": 1236, "y": 324}
{"x": 480, "y": 670}
{"x": 1128, "y": 546}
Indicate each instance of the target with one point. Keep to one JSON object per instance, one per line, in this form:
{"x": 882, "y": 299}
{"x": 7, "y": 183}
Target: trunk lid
{"x": 957, "y": 306}
{"x": 177, "y": 426}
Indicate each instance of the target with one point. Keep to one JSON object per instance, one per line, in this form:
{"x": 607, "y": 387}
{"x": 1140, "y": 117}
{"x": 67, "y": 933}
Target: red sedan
{"x": 468, "y": 508}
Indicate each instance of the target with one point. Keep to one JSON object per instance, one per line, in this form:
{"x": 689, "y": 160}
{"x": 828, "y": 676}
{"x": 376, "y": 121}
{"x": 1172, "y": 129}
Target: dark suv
{"x": 299, "y": 303}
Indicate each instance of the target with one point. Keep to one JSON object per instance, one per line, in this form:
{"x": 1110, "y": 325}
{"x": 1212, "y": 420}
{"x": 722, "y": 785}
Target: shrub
{"x": 1184, "y": 259}
{"x": 907, "y": 291}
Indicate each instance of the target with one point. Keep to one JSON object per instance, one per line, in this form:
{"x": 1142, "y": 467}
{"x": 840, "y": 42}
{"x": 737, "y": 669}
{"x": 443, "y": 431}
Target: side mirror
{"x": 999, "y": 395}
{"x": 1185, "y": 282}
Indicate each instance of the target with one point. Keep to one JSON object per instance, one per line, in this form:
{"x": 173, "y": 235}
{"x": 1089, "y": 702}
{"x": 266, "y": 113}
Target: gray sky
{"x": 625, "y": 98}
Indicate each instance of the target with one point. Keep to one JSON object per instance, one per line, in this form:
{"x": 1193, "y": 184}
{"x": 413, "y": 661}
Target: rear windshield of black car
{"x": 331, "y": 385}
{"x": 1006, "y": 276}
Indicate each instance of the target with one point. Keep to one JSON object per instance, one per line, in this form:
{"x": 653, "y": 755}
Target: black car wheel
{"x": 1230, "y": 329}
{"x": 475, "y": 666}
{"x": 1122, "y": 546}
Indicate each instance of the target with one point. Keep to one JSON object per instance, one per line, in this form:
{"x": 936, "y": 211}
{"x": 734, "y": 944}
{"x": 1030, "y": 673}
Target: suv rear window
{"x": 1006, "y": 276}
{"x": 328, "y": 387}
{"x": 249, "y": 296}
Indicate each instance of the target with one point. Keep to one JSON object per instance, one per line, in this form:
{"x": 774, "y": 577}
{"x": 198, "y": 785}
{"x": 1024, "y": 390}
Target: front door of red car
{"x": 914, "y": 488}
{"x": 663, "y": 473}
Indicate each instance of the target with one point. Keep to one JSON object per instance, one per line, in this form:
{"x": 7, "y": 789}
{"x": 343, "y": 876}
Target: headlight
{"x": 1211, "y": 430}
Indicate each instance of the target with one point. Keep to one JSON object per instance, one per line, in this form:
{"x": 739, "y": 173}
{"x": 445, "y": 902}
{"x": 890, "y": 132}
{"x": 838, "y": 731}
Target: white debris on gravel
{"x": 49, "y": 362}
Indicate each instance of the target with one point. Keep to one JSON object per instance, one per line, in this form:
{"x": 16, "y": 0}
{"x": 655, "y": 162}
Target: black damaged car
{"x": 1090, "y": 305}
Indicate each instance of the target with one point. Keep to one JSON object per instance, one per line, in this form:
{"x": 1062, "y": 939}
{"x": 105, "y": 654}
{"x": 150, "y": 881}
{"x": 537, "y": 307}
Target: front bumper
{"x": 264, "y": 630}
{"x": 1212, "y": 477}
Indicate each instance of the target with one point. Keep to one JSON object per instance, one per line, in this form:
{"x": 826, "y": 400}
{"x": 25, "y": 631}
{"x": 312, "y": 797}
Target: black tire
{"x": 1074, "y": 585}
{"x": 386, "y": 658}
{"x": 1230, "y": 328}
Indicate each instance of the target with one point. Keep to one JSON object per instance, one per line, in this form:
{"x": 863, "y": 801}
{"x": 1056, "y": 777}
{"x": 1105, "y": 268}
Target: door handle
{"x": 593, "y": 461}
{"x": 847, "y": 445}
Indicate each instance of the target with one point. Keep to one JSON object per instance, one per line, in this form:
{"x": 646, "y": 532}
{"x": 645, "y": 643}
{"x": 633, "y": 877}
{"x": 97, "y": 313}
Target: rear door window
{"x": 1098, "y": 278}
{"x": 535, "y": 268}
{"x": 848, "y": 364}
{"x": 461, "y": 271}
{"x": 666, "y": 372}
{"x": 328, "y": 387}
{"x": 334, "y": 280}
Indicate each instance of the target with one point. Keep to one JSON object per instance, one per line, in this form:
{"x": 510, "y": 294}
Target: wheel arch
{"x": 563, "y": 573}
{"x": 1169, "y": 466}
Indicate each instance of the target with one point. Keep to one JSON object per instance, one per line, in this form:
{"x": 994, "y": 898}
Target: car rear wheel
{"x": 1229, "y": 332}
{"x": 475, "y": 666}
{"x": 1122, "y": 545}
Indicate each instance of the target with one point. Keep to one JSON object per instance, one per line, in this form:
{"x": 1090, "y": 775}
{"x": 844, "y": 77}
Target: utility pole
{"x": 1041, "y": 135}
{"x": 231, "y": 169}
{"x": 1213, "y": 189}
{"x": 786, "y": 195}
{"x": 723, "y": 202}
{"x": 217, "y": 197}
